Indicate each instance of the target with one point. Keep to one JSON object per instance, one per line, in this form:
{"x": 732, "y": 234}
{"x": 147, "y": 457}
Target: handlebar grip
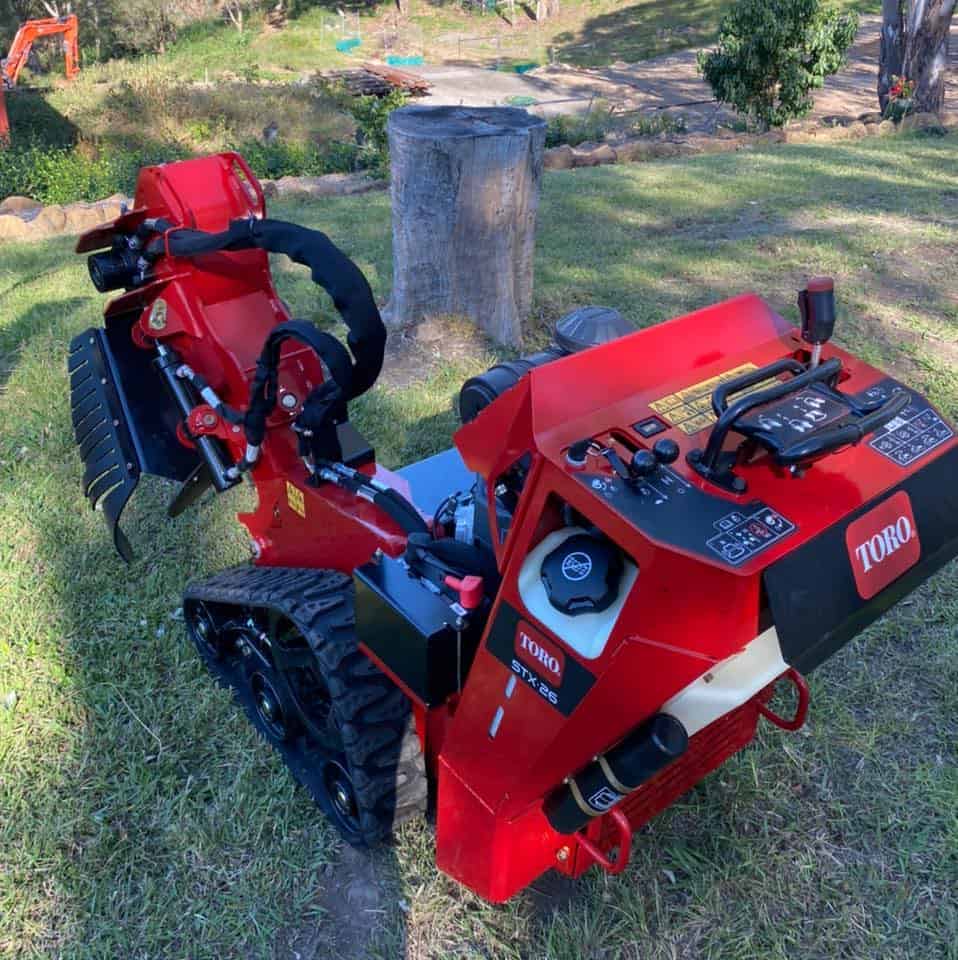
{"x": 825, "y": 441}
{"x": 722, "y": 392}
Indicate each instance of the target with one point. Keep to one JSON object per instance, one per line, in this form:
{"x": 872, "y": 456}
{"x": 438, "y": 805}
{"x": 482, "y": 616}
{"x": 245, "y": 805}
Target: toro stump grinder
{"x": 555, "y": 628}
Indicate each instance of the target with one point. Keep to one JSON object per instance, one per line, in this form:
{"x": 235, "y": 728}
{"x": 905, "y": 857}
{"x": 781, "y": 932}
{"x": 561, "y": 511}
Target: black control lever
{"x": 816, "y": 303}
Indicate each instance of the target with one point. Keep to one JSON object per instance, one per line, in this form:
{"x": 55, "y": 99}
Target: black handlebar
{"x": 827, "y": 371}
{"x": 842, "y": 435}
{"x": 863, "y": 419}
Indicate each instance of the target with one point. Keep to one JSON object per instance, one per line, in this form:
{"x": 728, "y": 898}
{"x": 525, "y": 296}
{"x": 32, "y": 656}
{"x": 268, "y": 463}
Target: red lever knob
{"x": 470, "y": 590}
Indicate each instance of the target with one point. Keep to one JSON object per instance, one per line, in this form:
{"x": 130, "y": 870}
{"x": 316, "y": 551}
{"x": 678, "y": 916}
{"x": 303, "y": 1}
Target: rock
{"x": 886, "y": 127}
{"x": 558, "y": 158}
{"x": 110, "y": 210}
{"x": 770, "y": 136}
{"x": 660, "y": 150}
{"x": 270, "y": 189}
{"x": 50, "y": 220}
{"x": 920, "y": 121}
{"x": 949, "y": 119}
{"x": 592, "y": 155}
{"x": 120, "y": 201}
{"x": 856, "y": 130}
{"x": 331, "y": 185}
{"x": 830, "y": 134}
{"x": 82, "y": 216}
{"x": 797, "y": 135}
{"x": 872, "y": 129}
{"x": 19, "y": 205}
{"x": 715, "y": 144}
{"x": 13, "y": 228}
{"x": 632, "y": 151}
{"x": 873, "y": 116}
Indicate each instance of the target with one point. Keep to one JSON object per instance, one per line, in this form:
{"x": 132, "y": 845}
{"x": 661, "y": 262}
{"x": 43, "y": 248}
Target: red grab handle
{"x": 801, "y": 709}
{"x": 624, "y": 828}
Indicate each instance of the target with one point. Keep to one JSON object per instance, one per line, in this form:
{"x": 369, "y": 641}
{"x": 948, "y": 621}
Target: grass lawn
{"x": 140, "y": 817}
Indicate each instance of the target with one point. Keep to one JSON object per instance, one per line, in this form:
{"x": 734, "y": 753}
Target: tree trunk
{"x": 926, "y": 52}
{"x": 916, "y": 47}
{"x": 403, "y": 7}
{"x": 465, "y": 191}
{"x": 892, "y": 48}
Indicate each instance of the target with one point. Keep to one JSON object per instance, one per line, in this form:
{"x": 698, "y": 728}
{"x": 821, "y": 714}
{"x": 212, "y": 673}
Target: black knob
{"x": 665, "y": 450}
{"x": 816, "y": 303}
{"x": 644, "y": 464}
{"x": 577, "y": 453}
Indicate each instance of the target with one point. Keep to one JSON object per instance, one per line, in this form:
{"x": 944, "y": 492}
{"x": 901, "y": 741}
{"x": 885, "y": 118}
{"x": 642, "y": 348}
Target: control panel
{"x": 669, "y": 509}
{"x": 916, "y": 431}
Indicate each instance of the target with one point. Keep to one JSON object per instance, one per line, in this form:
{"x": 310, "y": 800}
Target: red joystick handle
{"x": 470, "y": 589}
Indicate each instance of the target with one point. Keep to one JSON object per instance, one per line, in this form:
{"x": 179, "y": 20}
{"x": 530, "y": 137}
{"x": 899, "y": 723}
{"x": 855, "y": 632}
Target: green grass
{"x": 141, "y": 817}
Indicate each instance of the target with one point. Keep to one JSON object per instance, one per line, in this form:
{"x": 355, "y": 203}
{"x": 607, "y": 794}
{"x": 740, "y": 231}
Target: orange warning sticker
{"x": 295, "y": 499}
{"x": 691, "y": 409}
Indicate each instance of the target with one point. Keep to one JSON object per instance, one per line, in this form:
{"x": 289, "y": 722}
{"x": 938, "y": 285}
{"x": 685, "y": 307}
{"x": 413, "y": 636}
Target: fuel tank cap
{"x": 582, "y": 575}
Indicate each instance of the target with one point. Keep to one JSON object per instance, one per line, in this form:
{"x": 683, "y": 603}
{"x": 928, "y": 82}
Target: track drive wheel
{"x": 284, "y": 640}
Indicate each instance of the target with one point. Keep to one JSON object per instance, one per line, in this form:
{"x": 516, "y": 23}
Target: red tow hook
{"x": 471, "y": 590}
{"x": 624, "y": 844}
{"x": 801, "y": 708}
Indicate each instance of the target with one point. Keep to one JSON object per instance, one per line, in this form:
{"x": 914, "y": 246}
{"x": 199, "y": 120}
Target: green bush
{"x": 773, "y": 53}
{"x": 284, "y": 159}
{"x": 63, "y": 175}
{"x": 371, "y": 115}
{"x": 597, "y": 124}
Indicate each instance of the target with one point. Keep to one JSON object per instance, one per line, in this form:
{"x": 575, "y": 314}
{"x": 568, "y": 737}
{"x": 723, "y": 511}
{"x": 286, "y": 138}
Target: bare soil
{"x": 670, "y": 82}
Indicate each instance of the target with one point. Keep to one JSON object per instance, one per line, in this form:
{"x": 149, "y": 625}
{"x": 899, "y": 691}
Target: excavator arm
{"x": 32, "y": 30}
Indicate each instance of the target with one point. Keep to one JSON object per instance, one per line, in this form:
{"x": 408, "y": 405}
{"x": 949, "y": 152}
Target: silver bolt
{"x": 289, "y": 401}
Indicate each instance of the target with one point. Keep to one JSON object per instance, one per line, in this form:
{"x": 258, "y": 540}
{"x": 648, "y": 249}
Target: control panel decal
{"x": 667, "y": 508}
{"x": 742, "y": 537}
{"x": 691, "y": 409}
{"x": 915, "y": 432}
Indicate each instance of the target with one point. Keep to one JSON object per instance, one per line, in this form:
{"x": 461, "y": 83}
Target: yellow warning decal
{"x": 691, "y": 409}
{"x": 295, "y": 499}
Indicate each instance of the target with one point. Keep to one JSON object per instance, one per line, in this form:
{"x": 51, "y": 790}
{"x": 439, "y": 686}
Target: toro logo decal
{"x": 534, "y": 650}
{"x": 883, "y": 544}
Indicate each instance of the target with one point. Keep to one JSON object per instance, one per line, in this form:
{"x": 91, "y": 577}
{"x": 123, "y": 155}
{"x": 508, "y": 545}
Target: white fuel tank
{"x": 728, "y": 684}
{"x": 586, "y": 633}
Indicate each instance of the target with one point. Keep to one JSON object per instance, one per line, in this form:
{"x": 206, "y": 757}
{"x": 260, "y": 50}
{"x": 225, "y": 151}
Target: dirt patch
{"x": 668, "y": 83}
{"x": 415, "y": 353}
{"x": 358, "y": 896}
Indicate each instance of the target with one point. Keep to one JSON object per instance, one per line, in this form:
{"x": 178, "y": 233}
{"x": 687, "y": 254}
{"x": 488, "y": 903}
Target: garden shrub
{"x": 772, "y": 53}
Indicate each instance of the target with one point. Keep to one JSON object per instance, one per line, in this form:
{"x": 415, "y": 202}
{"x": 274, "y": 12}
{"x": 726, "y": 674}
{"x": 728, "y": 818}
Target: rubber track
{"x": 381, "y": 744}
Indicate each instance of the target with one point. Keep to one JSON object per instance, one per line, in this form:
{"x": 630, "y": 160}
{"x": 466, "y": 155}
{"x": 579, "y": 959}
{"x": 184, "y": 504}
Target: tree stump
{"x": 465, "y": 191}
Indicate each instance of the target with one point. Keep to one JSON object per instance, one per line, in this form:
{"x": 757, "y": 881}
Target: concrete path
{"x": 670, "y": 82}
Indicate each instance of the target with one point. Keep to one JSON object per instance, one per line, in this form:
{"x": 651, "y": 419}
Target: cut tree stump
{"x": 465, "y": 191}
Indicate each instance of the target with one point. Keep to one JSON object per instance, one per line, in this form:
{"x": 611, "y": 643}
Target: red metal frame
{"x": 33, "y": 30}
{"x": 685, "y": 614}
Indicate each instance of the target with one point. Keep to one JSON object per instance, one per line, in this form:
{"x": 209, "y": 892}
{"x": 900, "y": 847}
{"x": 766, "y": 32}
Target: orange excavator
{"x": 29, "y": 32}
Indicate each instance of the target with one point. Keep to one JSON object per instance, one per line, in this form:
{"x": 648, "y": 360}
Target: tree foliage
{"x": 773, "y": 53}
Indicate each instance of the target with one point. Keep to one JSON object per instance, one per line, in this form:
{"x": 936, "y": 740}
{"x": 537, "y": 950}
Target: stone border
{"x": 648, "y": 148}
{"x": 25, "y": 220}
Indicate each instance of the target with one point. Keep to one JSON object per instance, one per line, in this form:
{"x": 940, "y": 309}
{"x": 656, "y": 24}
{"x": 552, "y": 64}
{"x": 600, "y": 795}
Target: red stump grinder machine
{"x": 552, "y": 630}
